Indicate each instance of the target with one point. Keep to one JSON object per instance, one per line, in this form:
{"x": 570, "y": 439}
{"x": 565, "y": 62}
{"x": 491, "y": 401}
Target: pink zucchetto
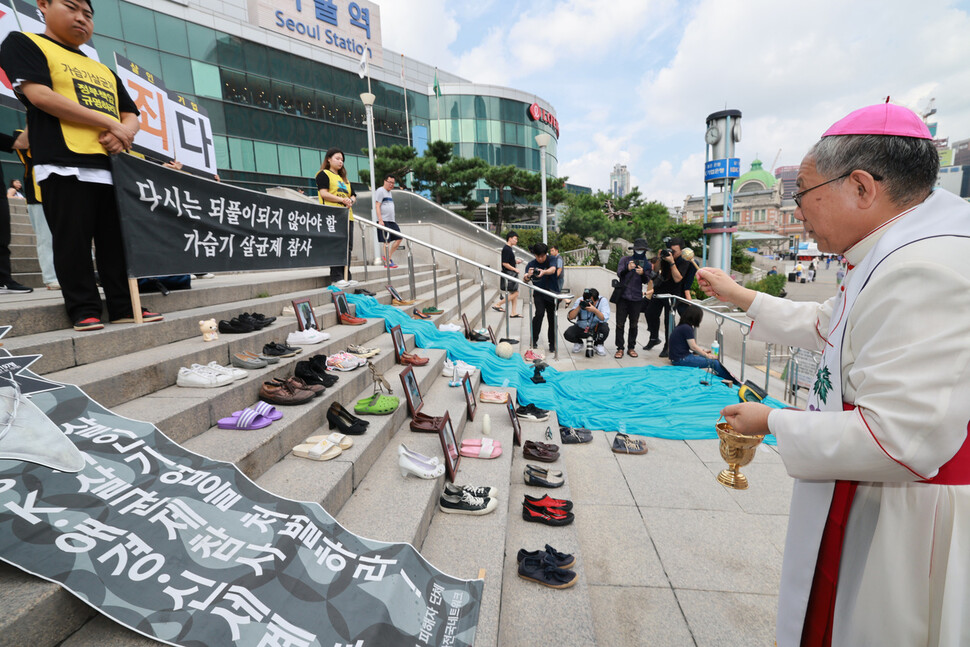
{"x": 881, "y": 119}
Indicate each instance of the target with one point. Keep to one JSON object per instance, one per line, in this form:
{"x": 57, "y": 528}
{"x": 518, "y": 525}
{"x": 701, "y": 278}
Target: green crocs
{"x": 377, "y": 404}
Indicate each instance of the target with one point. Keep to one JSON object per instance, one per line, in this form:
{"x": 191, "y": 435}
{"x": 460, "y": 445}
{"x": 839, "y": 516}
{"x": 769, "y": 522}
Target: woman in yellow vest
{"x": 335, "y": 191}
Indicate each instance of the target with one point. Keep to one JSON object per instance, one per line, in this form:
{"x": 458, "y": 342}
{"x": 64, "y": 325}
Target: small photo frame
{"x": 340, "y": 303}
{"x": 468, "y": 328}
{"x": 394, "y": 293}
{"x": 397, "y": 337}
{"x": 412, "y": 392}
{"x": 516, "y": 429}
{"x": 470, "y": 402}
{"x": 449, "y": 445}
{"x": 491, "y": 334}
{"x": 305, "y": 319}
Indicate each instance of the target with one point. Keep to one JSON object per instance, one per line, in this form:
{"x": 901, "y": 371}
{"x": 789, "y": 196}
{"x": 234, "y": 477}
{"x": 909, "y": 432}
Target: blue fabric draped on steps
{"x": 665, "y": 402}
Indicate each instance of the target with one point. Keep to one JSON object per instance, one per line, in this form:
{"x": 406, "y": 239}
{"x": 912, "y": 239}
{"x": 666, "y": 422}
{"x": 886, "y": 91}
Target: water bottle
{"x": 716, "y": 348}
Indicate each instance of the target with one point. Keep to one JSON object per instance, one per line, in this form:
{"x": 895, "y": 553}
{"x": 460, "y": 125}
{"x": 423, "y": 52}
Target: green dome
{"x": 758, "y": 174}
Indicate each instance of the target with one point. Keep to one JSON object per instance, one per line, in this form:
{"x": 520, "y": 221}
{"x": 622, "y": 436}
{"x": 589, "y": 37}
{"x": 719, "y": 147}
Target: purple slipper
{"x": 245, "y": 420}
{"x": 264, "y": 409}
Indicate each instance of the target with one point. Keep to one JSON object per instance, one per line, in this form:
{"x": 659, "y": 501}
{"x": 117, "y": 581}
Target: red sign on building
{"x": 537, "y": 113}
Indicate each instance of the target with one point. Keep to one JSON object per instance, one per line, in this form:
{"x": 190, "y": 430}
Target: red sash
{"x": 820, "y": 614}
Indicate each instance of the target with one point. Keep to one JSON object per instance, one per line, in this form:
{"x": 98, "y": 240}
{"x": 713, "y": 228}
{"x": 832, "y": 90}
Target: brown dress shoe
{"x": 283, "y": 393}
{"x": 539, "y": 454}
{"x": 413, "y": 360}
{"x": 299, "y": 384}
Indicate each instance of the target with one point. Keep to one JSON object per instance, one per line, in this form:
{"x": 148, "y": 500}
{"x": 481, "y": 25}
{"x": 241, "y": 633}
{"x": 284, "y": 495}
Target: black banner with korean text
{"x": 177, "y": 223}
{"x": 188, "y": 551}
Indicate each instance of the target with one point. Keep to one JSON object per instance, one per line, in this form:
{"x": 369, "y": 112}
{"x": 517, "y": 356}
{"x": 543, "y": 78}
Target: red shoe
{"x": 547, "y": 517}
{"x": 352, "y": 321}
{"x": 559, "y": 506}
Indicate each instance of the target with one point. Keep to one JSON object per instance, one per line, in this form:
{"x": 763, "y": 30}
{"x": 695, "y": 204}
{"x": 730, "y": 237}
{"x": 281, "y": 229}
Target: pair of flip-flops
{"x": 377, "y": 404}
{"x": 571, "y": 436}
{"x": 624, "y": 444}
{"x": 258, "y": 416}
{"x": 480, "y": 448}
{"x": 323, "y": 447}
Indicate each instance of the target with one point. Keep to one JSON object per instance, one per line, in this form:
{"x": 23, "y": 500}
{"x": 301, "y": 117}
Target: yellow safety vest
{"x": 86, "y": 82}
{"x": 339, "y": 188}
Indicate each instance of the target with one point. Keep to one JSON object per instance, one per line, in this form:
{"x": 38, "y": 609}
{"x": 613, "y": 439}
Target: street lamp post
{"x": 368, "y": 100}
{"x": 486, "y": 213}
{"x": 543, "y": 141}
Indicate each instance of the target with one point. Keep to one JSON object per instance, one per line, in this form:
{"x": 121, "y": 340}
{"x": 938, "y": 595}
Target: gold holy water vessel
{"x": 737, "y": 450}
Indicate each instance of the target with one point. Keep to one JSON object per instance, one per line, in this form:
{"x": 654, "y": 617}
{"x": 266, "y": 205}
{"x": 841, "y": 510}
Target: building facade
{"x": 278, "y": 80}
{"x": 619, "y": 181}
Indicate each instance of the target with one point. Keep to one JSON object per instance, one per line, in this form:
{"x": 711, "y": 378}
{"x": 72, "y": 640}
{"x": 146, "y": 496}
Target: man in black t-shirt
{"x": 509, "y": 261}
{"x": 542, "y": 274}
{"x": 676, "y": 277}
{"x": 78, "y": 113}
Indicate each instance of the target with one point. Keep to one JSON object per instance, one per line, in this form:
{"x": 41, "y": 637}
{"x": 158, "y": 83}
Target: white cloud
{"x": 423, "y": 30}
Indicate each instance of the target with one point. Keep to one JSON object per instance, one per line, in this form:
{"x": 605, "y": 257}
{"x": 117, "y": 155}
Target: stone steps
{"x": 37, "y": 612}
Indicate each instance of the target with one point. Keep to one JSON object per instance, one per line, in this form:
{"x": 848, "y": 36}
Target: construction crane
{"x": 772, "y": 171}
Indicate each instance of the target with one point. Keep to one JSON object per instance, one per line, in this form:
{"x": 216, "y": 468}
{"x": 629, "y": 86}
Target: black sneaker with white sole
{"x": 532, "y": 412}
{"x": 457, "y": 490}
{"x": 12, "y": 287}
{"x": 466, "y": 504}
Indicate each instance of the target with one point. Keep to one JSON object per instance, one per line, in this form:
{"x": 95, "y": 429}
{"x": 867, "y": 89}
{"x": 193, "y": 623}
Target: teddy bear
{"x": 210, "y": 331}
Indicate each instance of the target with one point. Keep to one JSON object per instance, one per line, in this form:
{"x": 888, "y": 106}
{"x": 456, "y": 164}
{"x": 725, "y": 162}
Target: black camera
{"x": 584, "y": 304}
{"x": 664, "y": 253}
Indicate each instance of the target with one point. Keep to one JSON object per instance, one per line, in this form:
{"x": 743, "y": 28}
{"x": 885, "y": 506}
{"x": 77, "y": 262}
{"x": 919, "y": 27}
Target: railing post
{"x": 410, "y": 271}
{"x": 481, "y": 279}
{"x": 507, "y": 308}
{"x": 458, "y": 285}
{"x": 363, "y": 250}
{"x": 767, "y": 366}
{"x": 434, "y": 277}
{"x": 555, "y": 331}
{"x": 744, "y": 349}
{"x": 529, "y": 323}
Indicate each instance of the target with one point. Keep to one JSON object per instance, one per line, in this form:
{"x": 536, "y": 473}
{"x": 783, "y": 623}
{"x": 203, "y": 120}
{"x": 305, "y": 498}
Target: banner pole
{"x": 135, "y": 300}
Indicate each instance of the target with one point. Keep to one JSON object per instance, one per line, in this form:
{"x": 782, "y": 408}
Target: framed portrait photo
{"x": 340, "y": 303}
{"x": 468, "y": 328}
{"x": 449, "y": 445}
{"x": 397, "y": 337}
{"x": 470, "y": 402}
{"x": 516, "y": 429}
{"x": 305, "y": 319}
{"x": 491, "y": 334}
{"x": 412, "y": 392}
{"x": 394, "y": 293}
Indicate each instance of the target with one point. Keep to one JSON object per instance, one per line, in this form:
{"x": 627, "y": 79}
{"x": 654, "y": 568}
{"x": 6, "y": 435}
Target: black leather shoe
{"x": 305, "y": 371}
{"x": 249, "y": 320}
{"x": 344, "y": 421}
{"x": 234, "y": 327}
{"x": 366, "y": 292}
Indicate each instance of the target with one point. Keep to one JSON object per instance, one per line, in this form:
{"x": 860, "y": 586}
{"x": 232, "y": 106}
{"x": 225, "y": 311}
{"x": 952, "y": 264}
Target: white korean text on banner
{"x": 172, "y": 126}
{"x": 188, "y": 551}
{"x": 176, "y": 223}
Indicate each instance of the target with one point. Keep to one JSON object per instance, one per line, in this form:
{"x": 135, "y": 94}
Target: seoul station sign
{"x": 342, "y": 26}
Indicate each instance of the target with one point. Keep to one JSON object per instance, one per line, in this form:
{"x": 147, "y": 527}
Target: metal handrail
{"x": 482, "y": 270}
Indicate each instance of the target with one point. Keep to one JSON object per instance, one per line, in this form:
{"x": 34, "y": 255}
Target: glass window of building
{"x": 202, "y": 43}
{"x": 138, "y": 25}
{"x": 171, "y": 33}
{"x": 222, "y": 151}
{"x": 241, "y": 156}
{"x": 256, "y": 59}
{"x": 147, "y": 58}
{"x": 205, "y": 80}
{"x": 177, "y": 73}
{"x": 266, "y": 159}
{"x": 216, "y": 112}
{"x": 289, "y": 160}
{"x": 109, "y": 21}
{"x": 235, "y": 87}
{"x": 106, "y": 47}
{"x": 310, "y": 160}
{"x": 229, "y": 51}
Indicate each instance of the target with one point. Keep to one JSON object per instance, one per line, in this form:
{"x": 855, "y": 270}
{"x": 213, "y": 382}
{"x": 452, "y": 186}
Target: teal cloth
{"x": 664, "y": 402}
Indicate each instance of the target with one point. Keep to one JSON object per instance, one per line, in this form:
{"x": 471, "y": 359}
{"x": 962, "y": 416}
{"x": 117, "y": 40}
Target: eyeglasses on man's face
{"x": 798, "y": 196}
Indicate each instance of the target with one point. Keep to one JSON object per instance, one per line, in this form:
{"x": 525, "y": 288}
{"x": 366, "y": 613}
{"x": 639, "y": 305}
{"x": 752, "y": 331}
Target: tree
{"x": 390, "y": 160}
{"x": 510, "y": 183}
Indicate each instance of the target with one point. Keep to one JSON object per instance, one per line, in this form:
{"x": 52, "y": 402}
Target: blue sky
{"x": 633, "y": 80}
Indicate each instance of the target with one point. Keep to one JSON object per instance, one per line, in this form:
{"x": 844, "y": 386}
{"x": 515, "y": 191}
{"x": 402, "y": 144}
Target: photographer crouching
{"x": 589, "y": 319}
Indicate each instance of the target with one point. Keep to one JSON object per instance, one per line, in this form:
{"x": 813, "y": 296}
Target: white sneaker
{"x": 308, "y": 336}
{"x": 600, "y": 350}
{"x": 202, "y": 377}
{"x": 578, "y": 348}
{"x": 449, "y": 327}
{"x": 231, "y": 371}
{"x": 342, "y": 284}
{"x": 449, "y": 368}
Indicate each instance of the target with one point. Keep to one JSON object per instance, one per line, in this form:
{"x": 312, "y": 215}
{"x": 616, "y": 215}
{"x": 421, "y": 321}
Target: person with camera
{"x": 676, "y": 277}
{"x": 633, "y": 272}
{"x": 542, "y": 273}
{"x": 589, "y": 319}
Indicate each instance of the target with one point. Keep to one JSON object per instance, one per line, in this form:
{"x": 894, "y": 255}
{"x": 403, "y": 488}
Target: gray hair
{"x": 908, "y": 166}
